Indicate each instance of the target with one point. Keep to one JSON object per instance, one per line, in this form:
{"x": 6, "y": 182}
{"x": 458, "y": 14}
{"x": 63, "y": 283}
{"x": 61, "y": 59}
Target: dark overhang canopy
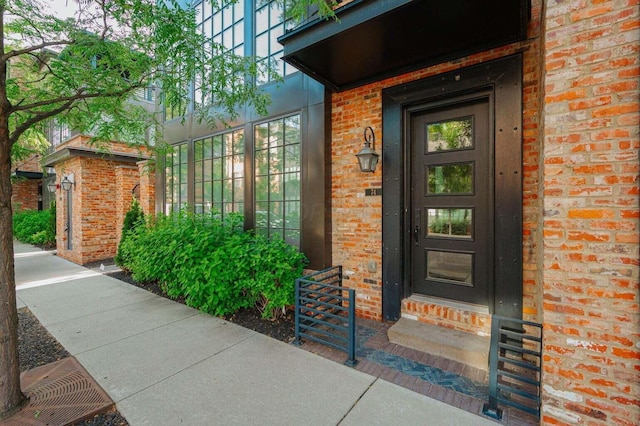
{"x": 375, "y": 39}
{"x": 73, "y": 151}
{"x": 26, "y": 174}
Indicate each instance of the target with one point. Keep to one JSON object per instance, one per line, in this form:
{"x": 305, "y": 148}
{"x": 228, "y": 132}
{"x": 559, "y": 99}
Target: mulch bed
{"x": 281, "y": 328}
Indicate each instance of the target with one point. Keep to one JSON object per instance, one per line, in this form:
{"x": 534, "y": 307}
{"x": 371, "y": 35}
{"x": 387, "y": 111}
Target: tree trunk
{"x": 11, "y": 397}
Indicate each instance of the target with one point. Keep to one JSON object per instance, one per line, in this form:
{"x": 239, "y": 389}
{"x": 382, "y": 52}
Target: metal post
{"x": 351, "y": 350}
{"x": 491, "y": 408}
{"x": 296, "y": 341}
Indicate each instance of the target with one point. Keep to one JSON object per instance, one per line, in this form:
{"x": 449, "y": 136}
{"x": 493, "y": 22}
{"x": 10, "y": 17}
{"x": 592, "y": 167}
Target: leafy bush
{"x": 34, "y": 227}
{"x": 215, "y": 265}
{"x": 133, "y": 219}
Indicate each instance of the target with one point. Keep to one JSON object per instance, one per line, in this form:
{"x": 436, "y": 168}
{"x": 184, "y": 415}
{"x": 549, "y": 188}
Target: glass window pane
{"x": 198, "y": 172}
{"x": 262, "y": 164}
{"x": 206, "y": 170}
{"x": 262, "y": 133}
{"x": 276, "y": 133}
{"x": 450, "y": 179}
{"x": 262, "y": 45}
{"x": 292, "y": 129}
{"x": 208, "y": 192}
{"x": 275, "y": 187}
{"x": 276, "y": 160}
{"x": 217, "y": 146}
{"x": 275, "y": 13}
{"x": 456, "y": 268}
{"x": 227, "y": 191}
{"x": 217, "y": 168}
{"x": 238, "y": 190}
{"x": 450, "y": 135}
{"x": 197, "y": 150}
{"x": 262, "y": 19}
{"x": 292, "y": 215}
{"x": 292, "y": 186}
{"x": 449, "y": 223}
{"x": 217, "y": 192}
{"x": 238, "y": 33}
{"x": 262, "y": 188}
{"x": 206, "y": 153}
{"x": 262, "y": 214}
{"x": 238, "y": 10}
{"x": 238, "y": 166}
{"x": 227, "y": 16}
{"x": 292, "y": 158}
{"x": 238, "y": 142}
{"x": 276, "y": 214}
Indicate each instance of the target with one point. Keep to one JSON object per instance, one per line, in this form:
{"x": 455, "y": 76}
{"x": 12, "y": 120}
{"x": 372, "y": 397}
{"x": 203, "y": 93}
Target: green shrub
{"x": 132, "y": 220}
{"x": 215, "y": 265}
{"x": 33, "y": 227}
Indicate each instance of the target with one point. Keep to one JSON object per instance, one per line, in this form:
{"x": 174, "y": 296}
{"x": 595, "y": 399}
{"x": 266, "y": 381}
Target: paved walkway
{"x": 164, "y": 363}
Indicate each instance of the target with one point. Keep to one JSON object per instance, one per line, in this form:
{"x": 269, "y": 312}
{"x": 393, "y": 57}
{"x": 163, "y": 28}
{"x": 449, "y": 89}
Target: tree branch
{"x": 35, "y": 48}
{"x": 15, "y": 135}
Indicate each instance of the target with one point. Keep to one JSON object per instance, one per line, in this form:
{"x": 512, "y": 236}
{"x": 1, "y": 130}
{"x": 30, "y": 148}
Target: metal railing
{"x": 515, "y": 366}
{"x": 326, "y": 312}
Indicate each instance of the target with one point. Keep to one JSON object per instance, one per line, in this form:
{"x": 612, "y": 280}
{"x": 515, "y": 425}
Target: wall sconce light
{"x": 52, "y": 186}
{"x": 367, "y": 157}
{"x": 67, "y": 182}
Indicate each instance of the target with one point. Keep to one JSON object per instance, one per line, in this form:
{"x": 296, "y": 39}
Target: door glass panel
{"x": 449, "y": 223}
{"x": 450, "y": 179}
{"x": 450, "y": 135}
{"x": 455, "y": 268}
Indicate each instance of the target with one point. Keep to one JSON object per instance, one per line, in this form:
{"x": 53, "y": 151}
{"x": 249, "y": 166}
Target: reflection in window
{"x": 176, "y": 178}
{"x": 224, "y": 31}
{"x": 450, "y": 135}
{"x": 450, "y": 179}
{"x": 269, "y": 26}
{"x": 449, "y": 223}
{"x": 219, "y": 173}
{"x": 454, "y": 268}
{"x": 277, "y": 174}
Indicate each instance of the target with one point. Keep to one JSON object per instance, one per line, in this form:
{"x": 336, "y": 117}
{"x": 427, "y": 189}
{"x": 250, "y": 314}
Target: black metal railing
{"x": 326, "y": 312}
{"x": 515, "y": 366}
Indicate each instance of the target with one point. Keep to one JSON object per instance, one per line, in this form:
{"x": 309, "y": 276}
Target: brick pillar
{"x": 147, "y": 188}
{"x": 591, "y": 216}
{"x": 126, "y": 179}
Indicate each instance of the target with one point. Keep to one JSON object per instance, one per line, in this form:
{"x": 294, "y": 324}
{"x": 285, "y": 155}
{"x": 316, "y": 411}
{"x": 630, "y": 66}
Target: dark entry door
{"x": 452, "y": 202}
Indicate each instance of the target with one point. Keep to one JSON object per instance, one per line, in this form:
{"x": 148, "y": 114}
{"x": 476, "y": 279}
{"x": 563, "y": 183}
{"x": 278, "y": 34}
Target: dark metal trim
{"x": 503, "y": 77}
{"x": 26, "y": 175}
{"x": 71, "y": 152}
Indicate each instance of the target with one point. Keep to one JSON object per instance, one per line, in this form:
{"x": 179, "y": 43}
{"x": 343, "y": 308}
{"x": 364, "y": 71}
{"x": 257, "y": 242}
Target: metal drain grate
{"x": 60, "y": 393}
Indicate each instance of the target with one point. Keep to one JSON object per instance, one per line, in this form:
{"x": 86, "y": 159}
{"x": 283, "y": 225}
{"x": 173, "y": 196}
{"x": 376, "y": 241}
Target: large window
{"x": 224, "y": 31}
{"x": 219, "y": 173}
{"x": 176, "y": 167}
{"x": 277, "y": 179}
{"x": 270, "y": 24}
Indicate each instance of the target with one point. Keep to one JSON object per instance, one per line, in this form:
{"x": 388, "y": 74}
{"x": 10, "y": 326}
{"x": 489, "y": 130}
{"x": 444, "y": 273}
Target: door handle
{"x": 416, "y": 234}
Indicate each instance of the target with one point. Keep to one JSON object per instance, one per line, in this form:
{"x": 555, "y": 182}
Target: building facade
{"x": 508, "y": 181}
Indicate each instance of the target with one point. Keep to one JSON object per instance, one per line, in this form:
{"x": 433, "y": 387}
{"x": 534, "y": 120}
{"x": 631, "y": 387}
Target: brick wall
{"x": 25, "y": 191}
{"x": 591, "y": 219}
{"x": 357, "y": 220}
{"x": 24, "y": 195}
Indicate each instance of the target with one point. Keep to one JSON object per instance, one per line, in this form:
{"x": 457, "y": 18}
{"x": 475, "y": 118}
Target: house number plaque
{"x": 372, "y": 191}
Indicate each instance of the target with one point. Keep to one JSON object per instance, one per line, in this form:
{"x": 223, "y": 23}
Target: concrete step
{"x": 466, "y": 348}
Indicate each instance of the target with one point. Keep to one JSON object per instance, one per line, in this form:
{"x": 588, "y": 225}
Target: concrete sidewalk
{"x": 166, "y": 364}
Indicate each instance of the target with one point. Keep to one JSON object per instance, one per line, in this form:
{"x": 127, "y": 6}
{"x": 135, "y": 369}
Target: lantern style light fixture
{"x": 368, "y": 157}
{"x": 52, "y": 186}
{"x": 67, "y": 182}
